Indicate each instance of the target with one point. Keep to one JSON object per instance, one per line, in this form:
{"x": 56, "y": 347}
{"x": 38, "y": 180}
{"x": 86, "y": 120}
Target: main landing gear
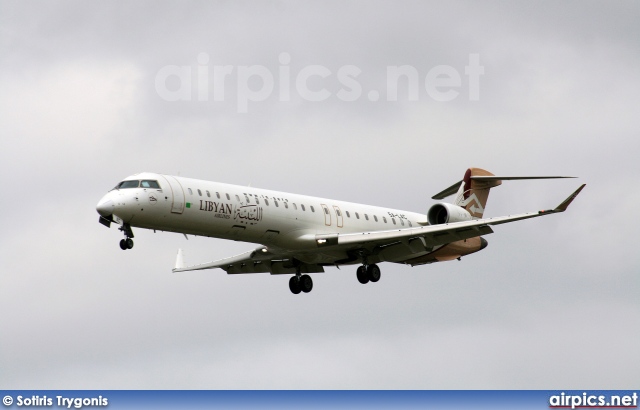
{"x": 127, "y": 242}
{"x": 368, "y": 273}
{"x": 300, "y": 283}
{"x": 303, "y": 283}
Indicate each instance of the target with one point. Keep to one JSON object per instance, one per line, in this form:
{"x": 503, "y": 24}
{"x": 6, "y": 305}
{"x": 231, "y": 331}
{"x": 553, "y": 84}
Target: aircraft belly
{"x": 322, "y": 258}
{"x": 449, "y": 252}
{"x": 397, "y": 253}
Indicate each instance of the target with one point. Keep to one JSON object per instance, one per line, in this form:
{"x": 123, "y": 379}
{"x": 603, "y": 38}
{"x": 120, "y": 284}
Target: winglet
{"x": 179, "y": 260}
{"x": 565, "y": 204}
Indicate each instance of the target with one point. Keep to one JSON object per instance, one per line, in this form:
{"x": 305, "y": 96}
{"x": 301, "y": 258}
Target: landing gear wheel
{"x": 294, "y": 285}
{"x": 361, "y": 273}
{"x": 306, "y": 284}
{"x": 127, "y": 242}
{"x": 373, "y": 273}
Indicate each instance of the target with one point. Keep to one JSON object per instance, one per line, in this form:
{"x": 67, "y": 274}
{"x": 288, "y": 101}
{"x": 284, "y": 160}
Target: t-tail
{"x": 472, "y": 192}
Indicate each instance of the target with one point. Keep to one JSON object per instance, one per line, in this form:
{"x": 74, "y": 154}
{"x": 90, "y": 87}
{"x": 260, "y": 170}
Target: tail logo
{"x": 476, "y": 209}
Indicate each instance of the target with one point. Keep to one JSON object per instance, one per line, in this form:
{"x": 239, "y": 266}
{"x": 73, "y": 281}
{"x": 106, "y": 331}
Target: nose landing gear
{"x": 126, "y": 243}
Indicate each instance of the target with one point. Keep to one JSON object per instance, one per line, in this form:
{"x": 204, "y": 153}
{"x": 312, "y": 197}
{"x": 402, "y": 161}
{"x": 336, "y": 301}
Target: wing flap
{"x": 433, "y": 234}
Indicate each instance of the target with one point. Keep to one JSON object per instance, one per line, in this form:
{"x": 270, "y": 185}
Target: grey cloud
{"x": 551, "y": 302}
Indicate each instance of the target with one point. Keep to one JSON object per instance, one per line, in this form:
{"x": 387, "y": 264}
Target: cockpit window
{"x": 150, "y": 184}
{"x": 128, "y": 184}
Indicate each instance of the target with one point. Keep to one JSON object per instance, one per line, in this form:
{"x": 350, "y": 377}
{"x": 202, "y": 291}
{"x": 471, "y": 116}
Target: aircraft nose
{"x": 105, "y": 207}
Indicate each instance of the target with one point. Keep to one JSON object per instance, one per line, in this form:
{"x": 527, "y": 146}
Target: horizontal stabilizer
{"x": 490, "y": 178}
{"x": 499, "y": 178}
{"x": 447, "y": 192}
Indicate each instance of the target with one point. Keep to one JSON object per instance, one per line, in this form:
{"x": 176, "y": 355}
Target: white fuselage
{"x": 271, "y": 218}
{"x": 301, "y": 234}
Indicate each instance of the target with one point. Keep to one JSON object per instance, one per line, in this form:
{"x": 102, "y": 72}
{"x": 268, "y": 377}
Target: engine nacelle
{"x": 443, "y": 213}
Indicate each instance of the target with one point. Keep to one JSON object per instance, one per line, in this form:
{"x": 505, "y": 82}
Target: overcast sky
{"x": 551, "y": 303}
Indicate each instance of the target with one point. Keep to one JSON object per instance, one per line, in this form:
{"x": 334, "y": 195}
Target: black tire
{"x": 129, "y": 243}
{"x": 373, "y": 273}
{"x": 294, "y": 285}
{"x": 123, "y": 245}
{"x": 306, "y": 283}
{"x": 361, "y": 274}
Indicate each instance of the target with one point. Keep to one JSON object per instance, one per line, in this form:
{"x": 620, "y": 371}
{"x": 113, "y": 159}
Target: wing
{"x": 264, "y": 259}
{"x": 446, "y": 233}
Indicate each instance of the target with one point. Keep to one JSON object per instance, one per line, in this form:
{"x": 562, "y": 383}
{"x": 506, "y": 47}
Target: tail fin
{"x": 473, "y": 193}
{"x": 473, "y": 190}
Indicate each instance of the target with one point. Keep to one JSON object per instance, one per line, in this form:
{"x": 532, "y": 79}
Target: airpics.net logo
{"x": 593, "y": 401}
{"x": 256, "y": 83}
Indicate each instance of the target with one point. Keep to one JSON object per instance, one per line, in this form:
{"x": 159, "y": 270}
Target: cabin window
{"x": 199, "y": 192}
{"x": 393, "y": 220}
{"x": 237, "y": 198}
{"x": 228, "y": 197}
{"x": 256, "y": 199}
{"x": 294, "y": 206}
{"x": 402, "y": 222}
{"x": 347, "y": 212}
{"x": 375, "y": 218}
{"x": 302, "y": 206}
{"x": 208, "y": 194}
{"x": 149, "y": 184}
{"x": 275, "y": 202}
{"x": 326, "y": 211}
{"x": 366, "y": 217}
{"x": 266, "y": 201}
{"x": 312, "y": 210}
{"x": 246, "y": 198}
{"x": 190, "y": 191}
{"x": 409, "y": 223}
{"x": 338, "y": 212}
{"x": 218, "y": 195}
{"x": 286, "y": 205}
{"x": 357, "y": 215}
{"x": 384, "y": 219}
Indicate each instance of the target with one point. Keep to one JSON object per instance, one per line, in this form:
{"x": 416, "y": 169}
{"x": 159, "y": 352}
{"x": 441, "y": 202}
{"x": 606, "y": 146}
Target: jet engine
{"x": 443, "y": 213}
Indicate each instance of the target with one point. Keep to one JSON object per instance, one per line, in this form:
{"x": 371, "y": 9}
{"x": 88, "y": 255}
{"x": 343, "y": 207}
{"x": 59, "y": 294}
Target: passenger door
{"x": 338, "y": 216}
{"x": 327, "y": 215}
{"x": 177, "y": 194}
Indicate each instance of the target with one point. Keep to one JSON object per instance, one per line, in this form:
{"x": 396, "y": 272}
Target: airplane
{"x": 299, "y": 235}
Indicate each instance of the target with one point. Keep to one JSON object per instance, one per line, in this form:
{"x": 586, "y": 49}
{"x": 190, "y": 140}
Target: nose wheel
{"x": 127, "y": 242}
